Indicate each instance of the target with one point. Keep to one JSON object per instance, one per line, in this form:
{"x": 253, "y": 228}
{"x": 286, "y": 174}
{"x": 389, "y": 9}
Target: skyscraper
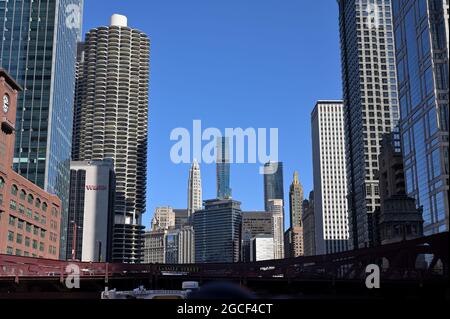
{"x": 273, "y": 182}
{"x": 194, "y": 189}
{"x": 217, "y": 231}
{"x": 276, "y": 208}
{"x": 223, "y": 168}
{"x": 370, "y": 104}
{"x": 294, "y": 236}
{"x": 330, "y": 182}
{"x": 112, "y": 112}
{"x": 421, "y": 37}
{"x": 295, "y": 201}
{"x": 309, "y": 237}
{"x": 38, "y": 49}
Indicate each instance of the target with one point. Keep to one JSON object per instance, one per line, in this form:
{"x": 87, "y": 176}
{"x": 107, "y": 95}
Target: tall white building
{"x": 111, "y": 118}
{"x": 91, "y": 210}
{"x": 330, "y": 181}
{"x": 275, "y": 207}
{"x": 195, "y": 201}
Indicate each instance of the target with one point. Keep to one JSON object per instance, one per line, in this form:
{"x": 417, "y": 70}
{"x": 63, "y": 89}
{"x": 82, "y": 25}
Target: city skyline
{"x": 297, "y": 92}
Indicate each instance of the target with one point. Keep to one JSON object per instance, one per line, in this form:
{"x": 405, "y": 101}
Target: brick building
{"x": 29, "y": 217}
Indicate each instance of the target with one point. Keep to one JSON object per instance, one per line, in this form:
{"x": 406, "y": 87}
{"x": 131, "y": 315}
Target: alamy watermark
{"x": 73, "y": 16}
{"x": 373, "y": 276}
{"x": 248, "y": 145}
{"x": 73, "y": 276}
{"x": 373, "y": 16}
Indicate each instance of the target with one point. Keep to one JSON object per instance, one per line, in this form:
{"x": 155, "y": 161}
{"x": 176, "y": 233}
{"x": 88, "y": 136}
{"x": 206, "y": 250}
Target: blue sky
{"x": 231, "y": 63}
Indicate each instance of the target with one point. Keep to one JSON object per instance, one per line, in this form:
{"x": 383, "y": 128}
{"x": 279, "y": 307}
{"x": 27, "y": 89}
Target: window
{"x": 2, "y": 183}
{"x": 10, "y": 236}
{"x": 12, "y": 220}
{"x": 44, "y": 206}
{"x": 20, "y": 224}
{"x": 41, "y": 246}
{"x": 38, "y": 203}
{"x": 28, "y": 228}
{"x": 27, "y": 241}
{"x": 22, "y": 194}
{"x": 35, "y": 230}
{"x": 35, "y": 244}
{"x": 19, "y": 239}
{"x": 30, "y": 199}
{"x": 14, "y": 190}
{"x": 13, "y": 204}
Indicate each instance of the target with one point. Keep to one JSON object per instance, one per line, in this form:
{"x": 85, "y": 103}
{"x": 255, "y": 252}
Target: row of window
{"x": 27, "y": 212}
{"x": 19, "y": 252}
{"x": 30, "y": 197}
{"x": 21, "y": 224}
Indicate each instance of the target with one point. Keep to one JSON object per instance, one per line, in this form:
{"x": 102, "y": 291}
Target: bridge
{"x": 412, "y": 268}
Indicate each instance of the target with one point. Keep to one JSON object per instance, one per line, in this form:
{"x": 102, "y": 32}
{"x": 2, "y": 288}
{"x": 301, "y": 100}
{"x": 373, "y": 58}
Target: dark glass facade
{"x": 39, "y": 51}
{"x": 223, "y": 168}
{"x": 422, "y": 64}
{"x": 217, "y": 231}
{"x": 273, "y": 182}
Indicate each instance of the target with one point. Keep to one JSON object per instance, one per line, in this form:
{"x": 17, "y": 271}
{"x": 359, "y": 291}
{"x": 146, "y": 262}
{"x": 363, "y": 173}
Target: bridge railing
{"x": 398, "y": 261}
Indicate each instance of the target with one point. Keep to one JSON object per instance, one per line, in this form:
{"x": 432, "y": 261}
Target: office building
{"x": 421, "y": 37}
{"x": 261, "y": 248}
{"x": 91, "y": 211}
{"x": 294, "y": 235}
{"x": 370, "y": 105}
{"x": 293, "y": 242}
{"x": 155, "y": 246}
{"x": 179, "y": 246}
{"x": 223, "y": 168}
{"x": 254, "y": 224}
{"x": 217, "y": 231}
{"x": 163, "y": 218}
{"x": 398, "y": 218}
{"x": 181, "y": 217}
{"x": 38, "y": 49}
{"x": 112, "y": 123}
{"x": 276, "y": 209}
{"x": 330, "y": 181}
{"x": 194, "y": 189}
{"x": 309, "y": 237}
{"x": 29, "y": 217}
{"x": 273, "y": 182}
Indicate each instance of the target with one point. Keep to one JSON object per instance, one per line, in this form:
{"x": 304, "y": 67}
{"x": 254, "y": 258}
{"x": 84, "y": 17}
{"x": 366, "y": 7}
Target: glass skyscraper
{"x": 217, "y": 232}
{"x": 273, "y": 182}
{"x": 38, "y": 49}
{"x": 370, "y": 105}
{"x": 421, "y": 37}
{"x": 223, "y": 168}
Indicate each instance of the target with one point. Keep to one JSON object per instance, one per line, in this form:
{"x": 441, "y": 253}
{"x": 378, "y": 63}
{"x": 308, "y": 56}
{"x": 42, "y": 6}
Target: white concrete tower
{"x": 111, "y": 113}
{"x": 330, "y": 178}
{"x": 194, "y": 189}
